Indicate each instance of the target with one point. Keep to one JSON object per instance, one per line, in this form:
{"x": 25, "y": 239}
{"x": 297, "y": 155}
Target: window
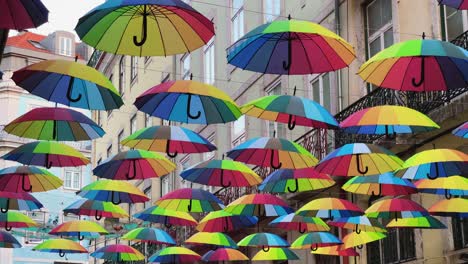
{"x": 109, "y": 151}
{"x": 321, "y": 90}
{"x": 69, "y": 217}
{"x": 122, "y": 75}
{"x": 65, "y": 46}
{"x": 460, "y": 232}
{"x": 133, "y": 68}
{"x": 32, "y": 237}
{"x": 119, "y": 139}
{"x": 133, "y": 124}
{"x": 274, "y": 127}
{"x": 209, "y": 62}
{"x": 147, "y": 192}
{"x": 237, "y": 19}
{"x": 379, "y": 25}
{"x": 72, "y": 179}
{"x": 148, "y": 121}
{"x": 166, "y": 184}
{"x": 98, "y": 118}
{"x": 398, "y": 246}
{"x": 238, "y": 131}
{"x": 272, "y": 9}
{"x": 206, "y": 155}
{"x": 454, "y": 22}
{"x": 185, "y": 62}
{"x": 36, "y": 44}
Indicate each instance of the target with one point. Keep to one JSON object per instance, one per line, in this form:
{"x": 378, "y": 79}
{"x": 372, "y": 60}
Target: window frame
{"x": 64, "y": 50}
{"x": 443, "y": 17}
{"x": 237, "y": 21}
{"x": 185, "y": 72}
{"x": 75, "y": 173}
{"x": 270, "y": 16}
{"x": 122, "y": 76}
{"x": 133, "y": 68}
{"x": 133, "y": 124}
{"x": 279, "y": 128}
{"x": 209, "y": 69}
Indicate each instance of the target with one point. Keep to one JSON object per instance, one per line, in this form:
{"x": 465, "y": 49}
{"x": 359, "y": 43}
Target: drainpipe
{"x": 338, "y": 73}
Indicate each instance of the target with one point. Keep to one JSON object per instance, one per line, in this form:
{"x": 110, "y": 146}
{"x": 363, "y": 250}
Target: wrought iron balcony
{"x": 461, "y": 40}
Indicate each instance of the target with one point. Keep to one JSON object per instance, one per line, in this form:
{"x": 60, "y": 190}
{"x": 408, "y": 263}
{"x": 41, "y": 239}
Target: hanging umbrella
{"x": 224, "y": 173}
{"x": 264, "y": 240}
{"x": 171, "y": 140}
{"x": 23, "y": 179}
{"x": 292, "y": 181}
{"x": 354, "y": 239}
{"x": 434, "y": 163}
{"x": 8, "y": 241}
{"x": 174, "y": 255}
{"x": 301, "y": 224}
{"x": 149, "y": 235}
{"x": 118, "y": 253}
{"x": 79, "y": 228}
{"x": 291, "y": 47}
{"x": 461, "y": 131}
{"x": 134, "y": 165}
{"x": 222, "y": 221}
{"x": 357, "y": 159}
{"x": 359, "y": 224}
{"x": 190, "y": 200}
{"x": 273, "y": 152}
{"x": 53, "y": 123}
{"x": 329, "y": 208}
{"x": 15, "y": 219}
{"x": 458, "y": 4}
{"x": 449, "y": 186}
{"x": 259, "y": 204}
{"x": 98, "y": 209}
{"x": 169, "y": 218}
{"x": 224, "y": 254}
{"x": 387, "y": 119}
{"x": 380, "y": 185}
{"x": 395, "y": 208}
{"x": 275, "y": 254}
{"x": 456, "y": 207}
{"x": 336, "y": 251}
{"x": 426, "y": 222}
{"x": 69, "y": 83}
{"x": 60, "y": 246}
{"x": 215, "y": 238}
{"x": 22, "y": 14}
{"x": 204, "y": 103}
{"x": 113, "y": 191}
{"x": 418, "y": 65}
{"x": 291, "y": 110}
{"x": 315, "y": 240}
{"x": 18, "y": 201}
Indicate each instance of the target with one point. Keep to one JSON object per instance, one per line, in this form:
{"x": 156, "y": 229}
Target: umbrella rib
{"x": 245, "y": 47}
{"x": 271, "y": 54}
{"x": 325, "y": 55}
{"x": 123, "y": 32}
{"x": 177, "y": 30}
{"x": 378, "y": 65}
{"x": 160, "y": 33}
{"x": 305, "y": 52}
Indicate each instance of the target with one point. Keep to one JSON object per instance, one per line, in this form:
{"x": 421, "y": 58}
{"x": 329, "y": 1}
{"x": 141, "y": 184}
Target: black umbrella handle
{"x": 314, "y": 247}
{"x": 48, "y": 163}
{"x": 189, "y": 114}
{"x": 113, "y": 199}
{"x": 222, "y": 180}
{"x": 5, "y": 210}
{"x": 296, "y": 187}
{"x": 357, "y": 230}
{"x": 144, "y": 29}
{"x": 80, "y": 237}
{"x": 69, "y": 92}
{"x": 97, "y": 215}
{"x": 272, "y": 161}
{"x": 7, "y": 228}
{"x": 61, "y": 253}
{"x": 169, "y": 154}
{"x": 422, "y": 76}
{"x": 448, "y": 195}
{"x": 302, "y": 231}
{"x": 23, "y": 185}
{"x": 287, "y": 64}
{"x": 358, "y": 166}
{"x": 291, "y": 122}
{"x": 265, "y": 248}
{"x": 134, "y": 172}
{"x": 189, "y": 207}
{"x": 428, "y": 175}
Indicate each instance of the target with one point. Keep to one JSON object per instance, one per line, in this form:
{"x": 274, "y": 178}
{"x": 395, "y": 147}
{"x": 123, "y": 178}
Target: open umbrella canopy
{"x": 203, "y": 103}
{"x": 461, "y": 131}
{"x": 387, "y": 119}
{"x": 329, "y": 208}
{"x": 211, "y": 238}
{"x": 455, "y": 207}
{"x": 358, "y": 159}
{"x": 458, "y": 4}
{"x": 418, "y": 65}
{"x": 395, "y": 208}
{"x": 134, "y": 165}
{"x": 22, "y": 201}
{"x": 171, "y": 140}
{"x": 69, "y": 83}
{"x": 15, "y": 219}
{"x": 8, "y": 241}
{"x": 336, "y": 251}
{"x": 299, "y": 180}
{"x": 22, "y": 14}
{"x": 23, "y": 179}
{"x": 291, "y": 47}
{"x": 54, "y": 123}
{"x": 354, "y": 239}
{"x": 315, "y": 240}
{"x": 435, "y": 163}
{"x": 299, "y": 223}
{"x": 358, "y": 224}
{"x": 155, "y": 214}
{"x": 224, "y": 173}
{"x": 222, "y": 221}
{"x": 118, "y": 253}
{"x": 275, "y": 254}
{"x": 426, "y": 222}
{"x": 47, "y": 154}
{"x": 80, "y": 229}
{"x": 291, "y": 110}
{"x": 61, "y": 246}
{"x": 449, "y": 186}
{"x": 264, "y": 240}
{"x": 224, "y": 254}
{"x": 98, "y": 209}
{"x": 259, "y": 204}
{"x": 190, "y": 200}
{"x": 174, "y": 255}
{"x": 149, "y": 235}
{"x": 113, "y": 191}
{"x": 273, "y": 152}
{"x": 380, "y": 185}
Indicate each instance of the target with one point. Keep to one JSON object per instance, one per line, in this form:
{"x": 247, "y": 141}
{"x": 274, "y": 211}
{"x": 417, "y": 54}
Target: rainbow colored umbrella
{"x": 418, "y": 65}
{"x": 291, "y": 110}
{"x": 458, "y": 4}
{"x": 449, "y": 186}
{"x": 61, "y": 246}
{"x": 354, "y": 239}
{"x": 275, "y": 254}
{"x": 145, "y": 28}
{"x": 259, "y": 204}
{"x": 190, "y": 200}
{"x": 224, "y": 254}
{"x": 8, "y": 241}
{"x": 299, "y": 223}
{"x": 79, "y": 228}
{"x": 47, "y": 154}
{"x": 98, "y": 209}
{"x": 53, "y": 123}
{"x": 22, "y": 14}
{"x": 264, "y": 240}
{"x": 315, "y": 240}
{"x": 18, "y": 201}
{"x": 222, "y": 221}
{"x": 134, "y": 165}
{"x": 15, "y": 219}
{"x": 380, "y": 185}
{"x": 69, "y": 83}
{"x": 426, "y": 222}
{"x": 224, "y": 173}
{"x": 456, "y": 207}
{"x": 149, "y": 235}
{"x": 23, "y": 179}
{"x": 292, "y": 181}
{"x": 357, "y": 159}
{"x": 461, "y": 131}
{"x": 336, "y": 251}
{"x": 211, "y": 238}
{"x": 171, "y": 140}
{"x": 358, "y": 224}
{"x": 291, "y": 47}
{"x": 169, "y": 218}
{"x": 113, "y": 191}
{"x": 329, "y": 208}
{"x": 273, "y": 152}
{"x": 118, "y": 253}
{"x": 174, "y": 255}
{"x": 435, "y": 163}
{"x": 203, "y": 103}
{"x": 395, "y": 208}
{"x": 387, "y": 119}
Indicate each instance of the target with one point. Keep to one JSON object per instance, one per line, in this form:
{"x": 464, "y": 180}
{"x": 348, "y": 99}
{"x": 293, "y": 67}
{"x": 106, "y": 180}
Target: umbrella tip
{"x": 289, "y": 17}
{"x": 424, "y": 35}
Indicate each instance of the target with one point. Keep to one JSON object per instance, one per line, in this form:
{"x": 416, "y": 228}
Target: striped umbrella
{"x": 149, "y": 235}
{"x": 264, "y": 240}
{"x": 79, "y": 228}
{"x": 282, "y": 181}
{"x": 259, "y": 204}
{"x": 449, "y": 186}
{"x": 224, "y": 254}
{"x": 18, "y": 201}
{"x": 15, "y": 219}
{"x": 174, "y": 255}
{"x": 211, "y": 238}
{"x": 113, "y": 191}
{"x": 336, "y": 251}
{"x": 275, "y": 254}
{"x": 155, "y": 214}
{"x": 329, "y": 208}
{"x": 359, "y": 224}
{"x": 23, "y": 179}
{"x": 315, "y": 240}
{"x": 461, "y": 131}
{"x": 98, "y": 209}
{"x": 380, "y": 185}
{"x": 118, "y": 253}
{"x": 426, "y": 222}
{"x": 299, "y": 223}
{"x": 8, "y": 241}
{"x": 60, "y": 246}
{"x": 222, "y": 221}
{"x": 354, "y": 239}
{"x": 190, "y": 200}
{"x": 395, "y": 208}
{"x": 22, "y": 14}
{"x": 458, "y": 4}
{"x": 456, "y": 207}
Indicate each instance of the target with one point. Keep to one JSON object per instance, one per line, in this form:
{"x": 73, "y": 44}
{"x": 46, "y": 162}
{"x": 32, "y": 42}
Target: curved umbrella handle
{"x": 144, "y": 29}
{"x": 296, "y": 188}
{"x": 166, "y": 222}
{"x": 134, "y": 172}
{"x": 302, "y": 231}
{"x": 380, "y": 191}
{"x": 396, "y": 217}
{"x": 448, "y": 195}
{"x": 7, "y": 228}
{"x": 189, "y": 207}
{"x": 358, "y": 231}
{"x": 422, "y": 76}
{"x": 54, "y": 130}
{"x": 69, "y": 92}
{"x": 387, "y": 134}
{"x": 189, "y": 102}
{"x": 360, "y": 246}
{"x": 97, "y": 216}
{"x": 222, "y": 180}
{"x": 23, "y": 185}
{"x": 358, "y": 166}
{"x": 265, "y": 248}
{"x": 272, "y": 158}
{"x": 61, "y": 253}
{"x": 48, "y": 164}
{"x": 287, "y": 64}
{"x": 5, "y": 210}
{"x": 113, "y": 199}
{"x": 330, "y": 216}
{"x": 80, "y": 237}
{"x": 428, "y": 175}
{"x": 314, "y": 247}
{"x": 291, "y": 123}
{"x": 169, "y": 154}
